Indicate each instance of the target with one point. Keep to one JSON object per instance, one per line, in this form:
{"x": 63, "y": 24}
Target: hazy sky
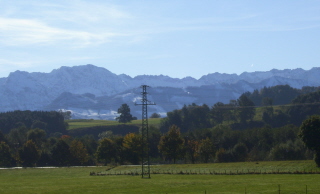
{"x": 178, "y": 38}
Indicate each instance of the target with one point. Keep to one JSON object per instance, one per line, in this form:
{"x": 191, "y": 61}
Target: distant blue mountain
{"x": 95, "y": 92}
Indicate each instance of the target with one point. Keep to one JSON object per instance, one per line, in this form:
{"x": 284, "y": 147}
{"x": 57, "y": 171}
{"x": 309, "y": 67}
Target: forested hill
{"x": 274, "y": 106}
{"x": 280, "y": 94}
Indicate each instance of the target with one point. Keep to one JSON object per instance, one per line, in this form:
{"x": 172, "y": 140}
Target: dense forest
{"x": 52, "y": 121}
{"x": 273, "y": 106}
{"x": 262, "y": 125}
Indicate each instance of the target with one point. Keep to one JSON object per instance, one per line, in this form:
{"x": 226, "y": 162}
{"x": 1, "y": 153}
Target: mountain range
{"x": 93, "y": 92}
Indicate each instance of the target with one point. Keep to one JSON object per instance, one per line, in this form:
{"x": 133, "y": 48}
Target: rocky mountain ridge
{"x": 95, "y": 92}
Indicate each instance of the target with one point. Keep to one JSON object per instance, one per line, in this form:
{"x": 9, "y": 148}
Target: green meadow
{"x": 86, "y": 123}
{"x": 78, "y": 179}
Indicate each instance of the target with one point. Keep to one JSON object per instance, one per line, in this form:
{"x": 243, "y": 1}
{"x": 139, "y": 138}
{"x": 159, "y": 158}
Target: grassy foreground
{"x": 77, "y": 180}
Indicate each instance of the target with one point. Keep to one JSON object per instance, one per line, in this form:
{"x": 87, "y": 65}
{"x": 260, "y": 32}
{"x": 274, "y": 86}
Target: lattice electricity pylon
{"x": 145, "y": 163}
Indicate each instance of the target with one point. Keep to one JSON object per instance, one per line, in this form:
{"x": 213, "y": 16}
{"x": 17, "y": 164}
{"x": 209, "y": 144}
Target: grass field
{"x": 78, "y": 180}
{"x": 84, "y": 123}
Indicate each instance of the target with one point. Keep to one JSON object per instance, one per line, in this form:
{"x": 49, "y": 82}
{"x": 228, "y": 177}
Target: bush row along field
{"x": 78, "y": 180}
{"x": 85, "y": 123}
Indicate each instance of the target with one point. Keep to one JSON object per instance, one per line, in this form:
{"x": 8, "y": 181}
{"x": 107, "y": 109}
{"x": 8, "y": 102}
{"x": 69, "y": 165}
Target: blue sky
{"x": 178, "y": 38}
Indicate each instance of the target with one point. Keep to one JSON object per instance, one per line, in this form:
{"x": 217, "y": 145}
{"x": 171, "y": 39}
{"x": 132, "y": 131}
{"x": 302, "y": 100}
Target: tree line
{"x": 194, "y": 134}
{"x": 50, "y": 121}
{"x": 216, "y": 144}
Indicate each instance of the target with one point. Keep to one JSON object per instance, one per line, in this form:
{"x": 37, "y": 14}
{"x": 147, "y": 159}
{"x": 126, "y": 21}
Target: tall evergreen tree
{"x": 125, "y": 115}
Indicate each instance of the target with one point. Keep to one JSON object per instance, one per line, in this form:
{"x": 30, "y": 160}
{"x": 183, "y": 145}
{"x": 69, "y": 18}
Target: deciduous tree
{"x": 6, "y": 159}
{"x": 192, "y": 149}
{"x": 61, "y": 153}
{"x": 78, "y": 153}
{"x": 132, "y": 143}
{"x": 206, "y": 149}
{"x": 155, "y": 115}
{"x": 310, "y": 135}
{"x": 106, "y": 150}
{"x": 171, "y": 144}
{"x": 37, "y": 136}
{"x": 240, "y": 152}
{"x": 29, "y": 154}
{"x": 18, "y": 136}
